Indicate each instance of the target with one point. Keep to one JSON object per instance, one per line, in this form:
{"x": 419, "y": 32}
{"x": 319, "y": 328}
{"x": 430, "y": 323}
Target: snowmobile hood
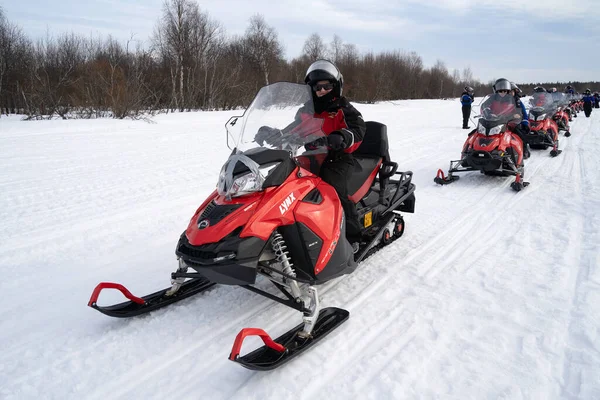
{"x": 256, "y": 214}
{"x": 486, "y": 143}
{"x": 217, "y": 217}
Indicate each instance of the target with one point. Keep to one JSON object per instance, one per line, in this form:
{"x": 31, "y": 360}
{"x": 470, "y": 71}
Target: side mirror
{"x": 231, "y": 129}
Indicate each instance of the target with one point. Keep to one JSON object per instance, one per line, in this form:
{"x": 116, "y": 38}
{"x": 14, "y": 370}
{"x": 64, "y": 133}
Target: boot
{"x": 526, "y": 152}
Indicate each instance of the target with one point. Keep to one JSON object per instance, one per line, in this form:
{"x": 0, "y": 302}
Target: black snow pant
{"x": 466, "y": 110}
{"x": 337, "y": 171}
{"x": 587, "y": 109}
{"x": 523, "y": 132}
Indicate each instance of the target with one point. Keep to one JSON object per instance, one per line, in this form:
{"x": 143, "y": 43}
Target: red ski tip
{"x": 239, "y": 339}
{"x": 440, "y": 174}
{"x": 110, "y": 285}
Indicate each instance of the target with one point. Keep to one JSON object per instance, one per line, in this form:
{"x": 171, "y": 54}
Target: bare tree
{"x": 336, "y": 48}
{"x": 467, "y": 77}
{"x": 15, "y": 51}
{"x": 171, "y": 38}
{"x": 262, "y": 46}
{"x": 314, "y": 48}
{"x": 456, "y": 80}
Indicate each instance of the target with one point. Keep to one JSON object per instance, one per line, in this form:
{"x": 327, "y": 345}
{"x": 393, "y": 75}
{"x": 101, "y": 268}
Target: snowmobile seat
{"x": 375, "y": 143}
{"x": 373, "y": 158}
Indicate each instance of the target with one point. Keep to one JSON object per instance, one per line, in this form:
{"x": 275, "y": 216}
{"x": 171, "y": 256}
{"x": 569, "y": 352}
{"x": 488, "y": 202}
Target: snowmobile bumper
{"x": 483, "y": 161}
{"x": 539, "y": 139}
{"x": 232, "y": 261}
{"x": 287, "y": 346}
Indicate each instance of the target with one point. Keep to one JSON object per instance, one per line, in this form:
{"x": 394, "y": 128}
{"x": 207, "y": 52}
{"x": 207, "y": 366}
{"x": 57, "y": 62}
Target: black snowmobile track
{"x": 151, "y": 302}
{"x": 266, "y": 358}
{"x": 368, "y": 250}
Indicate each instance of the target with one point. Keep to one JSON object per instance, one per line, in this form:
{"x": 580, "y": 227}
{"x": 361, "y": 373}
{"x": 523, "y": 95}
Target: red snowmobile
{"x": 494, "y": 148}
{"x": 563, "y": 113}
{"x": 272, "y": 217}
{"x": 543, "y": 130}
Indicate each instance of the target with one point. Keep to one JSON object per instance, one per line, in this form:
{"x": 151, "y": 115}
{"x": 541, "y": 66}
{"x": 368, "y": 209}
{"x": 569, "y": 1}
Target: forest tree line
{"x": 192, "y": 64}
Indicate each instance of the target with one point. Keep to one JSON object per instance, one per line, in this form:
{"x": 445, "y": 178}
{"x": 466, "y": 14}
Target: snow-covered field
{"x": 490, "y": 294}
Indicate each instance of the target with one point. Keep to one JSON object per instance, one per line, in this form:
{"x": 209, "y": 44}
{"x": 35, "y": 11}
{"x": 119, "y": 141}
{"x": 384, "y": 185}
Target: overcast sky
{"x": 522, "y": 40}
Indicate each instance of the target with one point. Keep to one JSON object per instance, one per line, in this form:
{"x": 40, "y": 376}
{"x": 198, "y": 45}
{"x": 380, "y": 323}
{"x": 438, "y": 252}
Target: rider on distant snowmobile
{"x": 569, "y": 90}
{"x": 503, "y": 86}
{"x": 345, "y": 129}
{"x": 504, "y": 97}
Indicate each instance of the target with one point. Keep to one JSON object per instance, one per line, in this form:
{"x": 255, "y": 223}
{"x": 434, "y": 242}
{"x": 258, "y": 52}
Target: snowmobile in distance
{"x": 493, "y": 148}
{"x": 563, "y": 113}
{"x": 273, "y": 219}
{"x": 543, "y": 130}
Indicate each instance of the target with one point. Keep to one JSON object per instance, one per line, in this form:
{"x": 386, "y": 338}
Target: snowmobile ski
{"x": 287, "y": 346}
{"x": 441, "y": 179}
{"x": 137, "y": 306}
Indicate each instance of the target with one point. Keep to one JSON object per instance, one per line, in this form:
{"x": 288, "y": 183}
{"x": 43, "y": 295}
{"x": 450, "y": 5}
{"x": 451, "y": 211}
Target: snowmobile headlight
{"x": 496, "y": 130}
{"x": 540, "y": 117}
{"x": 481, "y": 129}
{"x": 229, "y": 256}
{"x": 249, "y": 182}
{"x": 245, "y": 184}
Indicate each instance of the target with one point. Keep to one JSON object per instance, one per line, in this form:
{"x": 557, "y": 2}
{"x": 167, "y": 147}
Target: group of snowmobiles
{"x": 495, "y": 147}
{"x": 272, "y": 223}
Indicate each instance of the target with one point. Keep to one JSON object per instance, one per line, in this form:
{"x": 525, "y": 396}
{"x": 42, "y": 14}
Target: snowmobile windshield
{"x": 278, "y": 127}
{"x": 542, "y": 106}
{"x": 496, "y": 112}
{"x": 282, "y": 117}
{"x": 560, "y": 99}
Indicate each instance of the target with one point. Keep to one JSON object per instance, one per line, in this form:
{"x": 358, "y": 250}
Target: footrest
{"x": 287, "y": 346}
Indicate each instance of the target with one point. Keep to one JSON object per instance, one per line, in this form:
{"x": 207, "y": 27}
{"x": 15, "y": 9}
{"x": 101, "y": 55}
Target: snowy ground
{"x": 490, "y": 294}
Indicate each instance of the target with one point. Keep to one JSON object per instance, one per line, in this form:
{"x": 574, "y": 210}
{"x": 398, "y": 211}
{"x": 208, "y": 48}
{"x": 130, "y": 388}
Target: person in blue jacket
{"x": 466, "y": 99}
{"x": 588, "y": 102}
{"x": 597, "y": 99}
{"x": 518, "y": 93}
{"x": 523, "y": 128}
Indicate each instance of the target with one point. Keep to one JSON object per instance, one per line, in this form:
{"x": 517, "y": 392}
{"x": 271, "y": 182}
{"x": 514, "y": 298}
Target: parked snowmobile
{"x": 563, "y": 113}
{"x": 272, "y": 216}
{"x": 494, "y": 149}
{"x": 543, "y": 130}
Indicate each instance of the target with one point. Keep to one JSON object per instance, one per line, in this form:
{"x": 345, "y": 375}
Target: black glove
{"x": 315, "y": 144}
{"x": 268, "y": 135}
{"x": 336, "y": 104}
{"x": 336, "y": 142}
{"x": 524, "y": 127}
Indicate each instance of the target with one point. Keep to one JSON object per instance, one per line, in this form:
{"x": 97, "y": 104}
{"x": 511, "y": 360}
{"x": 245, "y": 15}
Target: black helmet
{"x": 516, "y": 88}
{"x": 468, "y": 89}
{"x": 569, "y": 87}
{"x": 588, "y": 91}
{"x": 539, "y": 89}
{"x": 501, "y": 84}
{"x": 324, "y": 70}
